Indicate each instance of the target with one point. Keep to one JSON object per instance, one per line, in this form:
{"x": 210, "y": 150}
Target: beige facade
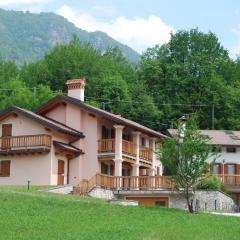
{"x": 109, "y": 144}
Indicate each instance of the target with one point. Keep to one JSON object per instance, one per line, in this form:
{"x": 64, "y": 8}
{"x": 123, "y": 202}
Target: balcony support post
{"x": 118, "y": 150}
{"x": 154, "y": 163}
{"x": 136, "y": 140}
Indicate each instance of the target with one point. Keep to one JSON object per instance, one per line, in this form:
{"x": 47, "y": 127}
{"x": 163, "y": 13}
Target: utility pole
{"x": 34, "y": 93}
{"x": 213, "y": 117}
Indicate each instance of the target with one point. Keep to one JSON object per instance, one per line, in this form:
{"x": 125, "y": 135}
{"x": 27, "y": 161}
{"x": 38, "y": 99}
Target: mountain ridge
{"x": 26, "y": 36}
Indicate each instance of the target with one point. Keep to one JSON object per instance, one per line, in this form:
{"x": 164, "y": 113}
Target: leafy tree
{"x": 185, "y": 157}
{"x": 17, "y": 93}
{"x": 189, "y": 74}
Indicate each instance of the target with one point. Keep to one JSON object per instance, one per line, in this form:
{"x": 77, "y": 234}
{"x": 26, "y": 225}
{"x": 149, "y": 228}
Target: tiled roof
{"x": 42, "y": 120}
{"x": 113, "y": 117}
{"x": 217, "y": 137}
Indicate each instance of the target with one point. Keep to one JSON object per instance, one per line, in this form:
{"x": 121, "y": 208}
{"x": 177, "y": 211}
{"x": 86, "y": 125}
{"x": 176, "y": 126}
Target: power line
{"x": 17, "y": 89}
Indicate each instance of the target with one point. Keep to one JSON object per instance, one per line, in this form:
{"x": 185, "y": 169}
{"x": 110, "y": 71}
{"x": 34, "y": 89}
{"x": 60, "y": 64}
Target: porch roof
{"x": 68, "y": 148}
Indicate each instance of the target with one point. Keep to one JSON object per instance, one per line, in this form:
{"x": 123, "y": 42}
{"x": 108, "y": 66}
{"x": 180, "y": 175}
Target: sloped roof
{"x": 113, "y": 117}
{"x": 67, "y": 147}
{"x": 42, "y": 120}
{"x": 217, "y": 137}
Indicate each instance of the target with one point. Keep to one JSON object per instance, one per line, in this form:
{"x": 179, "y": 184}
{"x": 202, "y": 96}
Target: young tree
{"x": 185, "y": 157}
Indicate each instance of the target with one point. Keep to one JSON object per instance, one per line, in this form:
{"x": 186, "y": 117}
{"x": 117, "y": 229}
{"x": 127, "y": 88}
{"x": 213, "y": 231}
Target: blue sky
{"x": 144, "y": 23}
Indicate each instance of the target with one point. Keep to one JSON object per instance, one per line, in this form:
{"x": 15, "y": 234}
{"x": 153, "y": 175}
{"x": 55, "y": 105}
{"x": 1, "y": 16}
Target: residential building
{"x": 67, "y": 140}
{"x": 226, "y": 153}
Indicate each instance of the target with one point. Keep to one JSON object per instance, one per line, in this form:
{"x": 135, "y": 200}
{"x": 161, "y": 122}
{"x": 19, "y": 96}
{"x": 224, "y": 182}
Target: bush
{"x": 211, "y": 182}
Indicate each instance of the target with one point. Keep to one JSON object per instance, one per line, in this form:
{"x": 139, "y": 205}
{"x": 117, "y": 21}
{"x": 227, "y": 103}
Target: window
{"x": 231, "y": 149}
{"x": 161, "y": 203}
{"x": 104, "y": 168}
{"x": 143, "y": 141}
{"x": 126, "y": 136}
{"x": 231, "y": 169}
{"x": 216, "y": 169}
{"x": 107, "y": 133}
{"x": 5, "y": 168}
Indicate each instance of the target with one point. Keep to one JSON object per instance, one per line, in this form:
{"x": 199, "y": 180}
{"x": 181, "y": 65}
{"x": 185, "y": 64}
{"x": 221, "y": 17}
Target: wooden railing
{"x": 129, "y": 148}
{"x": 108, "y": 146}
{"x": 142, "y": 182}
{"x": 25, "y": 141}
{"x": 145, "y": 153}
{"x": 227, "y": 179}
{"x": 124, "y": 183}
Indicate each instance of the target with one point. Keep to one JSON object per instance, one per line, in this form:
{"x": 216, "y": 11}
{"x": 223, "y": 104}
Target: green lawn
{"x": 37, "y": 215}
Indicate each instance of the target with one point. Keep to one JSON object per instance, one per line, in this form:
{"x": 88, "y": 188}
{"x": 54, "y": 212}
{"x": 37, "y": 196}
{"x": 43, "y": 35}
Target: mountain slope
{"x": 25, "y": 37}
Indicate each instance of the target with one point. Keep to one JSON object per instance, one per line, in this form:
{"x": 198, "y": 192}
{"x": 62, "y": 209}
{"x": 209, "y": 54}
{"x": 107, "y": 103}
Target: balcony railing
{"x": 129, "y": 148}
{"x": 145, "y": 153}
{"x": 124, "y": 183}
{"x": 26, "y": 141}
{"x": 231, "y": 180}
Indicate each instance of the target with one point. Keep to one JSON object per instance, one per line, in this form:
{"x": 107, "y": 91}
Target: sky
{"x": 144, "y": 23}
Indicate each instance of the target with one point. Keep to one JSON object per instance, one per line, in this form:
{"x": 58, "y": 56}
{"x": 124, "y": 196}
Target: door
{"x": 61, "y": 172}
{"x": 231, "y": 172}
{"x": 6, "y": 135}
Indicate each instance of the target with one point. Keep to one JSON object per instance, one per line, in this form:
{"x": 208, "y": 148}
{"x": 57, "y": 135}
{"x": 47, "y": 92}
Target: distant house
{"x": 66, "y": 141}
{"x": 227, "y": 167}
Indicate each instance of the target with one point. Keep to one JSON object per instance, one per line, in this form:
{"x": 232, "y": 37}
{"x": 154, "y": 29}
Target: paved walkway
{"x": 61, "y": 189}
{"x": 227, "y": 214}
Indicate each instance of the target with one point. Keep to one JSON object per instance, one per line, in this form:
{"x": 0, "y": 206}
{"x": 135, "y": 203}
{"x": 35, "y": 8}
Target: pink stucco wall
{"x": 40, "y": 168}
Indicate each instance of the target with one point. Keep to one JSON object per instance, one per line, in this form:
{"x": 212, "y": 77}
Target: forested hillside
{"x": 192, "y": 73}
{"x": 25, "y": 37}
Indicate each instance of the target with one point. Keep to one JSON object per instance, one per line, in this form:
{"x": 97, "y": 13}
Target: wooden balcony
{"x": 124, "y": 183}
{"x": 229, "y": 180}
{"x": 24, "y": 144}
{"x": 145, "y": 153}
{"x": 107, "y": 146}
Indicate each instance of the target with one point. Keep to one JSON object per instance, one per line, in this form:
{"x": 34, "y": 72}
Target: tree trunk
{"x": 189, "y": 202}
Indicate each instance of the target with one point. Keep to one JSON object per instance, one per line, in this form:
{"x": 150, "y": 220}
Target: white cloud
{"x": 235, "y": 51}
{"x": 138, "y": 33}
{"x": 10, "y": 2}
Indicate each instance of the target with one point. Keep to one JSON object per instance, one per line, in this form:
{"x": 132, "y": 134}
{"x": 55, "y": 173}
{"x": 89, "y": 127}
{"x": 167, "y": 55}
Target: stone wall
{"x": 98, "y": 192}
{"x": 207, "y": 200}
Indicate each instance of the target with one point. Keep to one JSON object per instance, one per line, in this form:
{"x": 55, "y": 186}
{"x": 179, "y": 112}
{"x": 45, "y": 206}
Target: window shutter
{"x": 5, "y": 168}
{"x": 220, "y": 166}
{"x": 238, "y": 169}
{"x": 225, "y": 169}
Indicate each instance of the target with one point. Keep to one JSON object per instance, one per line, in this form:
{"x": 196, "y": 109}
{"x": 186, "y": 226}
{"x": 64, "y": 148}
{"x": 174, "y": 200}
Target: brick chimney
{"x": 76, "y": 88}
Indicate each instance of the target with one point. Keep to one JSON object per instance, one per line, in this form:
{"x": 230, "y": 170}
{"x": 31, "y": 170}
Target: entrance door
{"x": 6, "y": 134}
{"x": 231, "y": 171}
{"x": 60, "y": 172}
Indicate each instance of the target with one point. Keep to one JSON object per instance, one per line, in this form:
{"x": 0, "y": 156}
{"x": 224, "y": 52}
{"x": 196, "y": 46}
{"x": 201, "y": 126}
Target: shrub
{"x": 211, "y": 182}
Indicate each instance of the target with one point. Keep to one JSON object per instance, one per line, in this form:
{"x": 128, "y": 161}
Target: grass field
{"x": 38, "y": 215}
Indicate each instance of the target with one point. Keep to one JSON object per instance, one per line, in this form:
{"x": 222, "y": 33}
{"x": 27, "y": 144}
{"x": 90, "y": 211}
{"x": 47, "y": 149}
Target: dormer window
{"x": 231, "y": 150}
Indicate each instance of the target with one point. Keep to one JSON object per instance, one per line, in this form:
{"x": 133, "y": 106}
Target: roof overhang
{"x": 49, "y": 123}
{"x": 112, "y": 117}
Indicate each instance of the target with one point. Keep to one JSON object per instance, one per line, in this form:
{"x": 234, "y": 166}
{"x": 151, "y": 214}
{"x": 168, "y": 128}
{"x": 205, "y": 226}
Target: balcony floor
{"x": 11, "y": 151}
